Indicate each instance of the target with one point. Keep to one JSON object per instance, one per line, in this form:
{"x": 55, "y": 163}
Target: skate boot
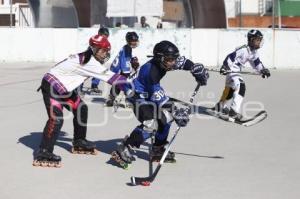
{"x": 157, "y": 153}
{"x": 95, "y": 90}
{"x": 128, "y": 104}
{"x": 110, "y": 101}
{"x": 44, "y": 158}
{"x": 83, "y": 146}
{"x": 123, "y": 155}
{"x": 234, "y": 116}
{"x": 220, "y": 109}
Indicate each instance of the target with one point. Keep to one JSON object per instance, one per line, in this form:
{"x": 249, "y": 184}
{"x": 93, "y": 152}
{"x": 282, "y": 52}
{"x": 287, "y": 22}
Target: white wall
{"x": 281, "y": 48}
{"x": 250, "y": 6}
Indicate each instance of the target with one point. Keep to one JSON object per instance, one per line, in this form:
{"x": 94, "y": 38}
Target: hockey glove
{"x": 265, "y": 73}
{"x": 200, "y": 73}
{"x": 181, "y": 116}
{"x": 224, "y": 70}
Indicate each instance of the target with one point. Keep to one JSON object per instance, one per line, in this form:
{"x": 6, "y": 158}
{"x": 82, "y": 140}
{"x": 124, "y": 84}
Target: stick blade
{"x": 146, "y": 181}
{"x": 256, "y": 119}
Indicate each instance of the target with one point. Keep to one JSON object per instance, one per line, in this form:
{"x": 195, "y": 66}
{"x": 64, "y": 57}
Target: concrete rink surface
{"x": 215, "y": 159}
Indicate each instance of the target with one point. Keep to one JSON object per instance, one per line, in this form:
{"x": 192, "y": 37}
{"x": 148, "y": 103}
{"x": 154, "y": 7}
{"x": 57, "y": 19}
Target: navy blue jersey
{"x": 147, "y": 83}
{"x": 121, "y": 63}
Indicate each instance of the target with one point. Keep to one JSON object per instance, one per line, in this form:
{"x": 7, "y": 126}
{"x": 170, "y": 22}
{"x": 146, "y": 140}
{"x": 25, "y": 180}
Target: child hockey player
{"x": 152, "y": 107}
{"x": 124, "y": 63}
{"x": 95, "y": 82}
{"x": 235, "y": 87}
{"x": 58, "y": 89}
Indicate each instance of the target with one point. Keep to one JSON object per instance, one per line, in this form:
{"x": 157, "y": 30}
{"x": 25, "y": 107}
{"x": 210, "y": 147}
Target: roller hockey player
{"x": 152, "y": 107}
{"x": 58, "y": 89}
{"x": 125, "y": 64}
{"x": 235, "y": 87}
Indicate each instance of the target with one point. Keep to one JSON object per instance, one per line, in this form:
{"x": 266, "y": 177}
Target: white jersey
{"x": 237, "y": 59}
{"x": 71, "y": 73}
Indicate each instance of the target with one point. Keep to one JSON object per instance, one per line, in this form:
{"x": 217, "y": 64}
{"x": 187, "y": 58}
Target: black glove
{"x": 135, "y": 63}
{"x": 200, "y": 73}
{"x": 265, "y": 73}
{"x": 181, "y": 116}
{"x": 224, "y": 70}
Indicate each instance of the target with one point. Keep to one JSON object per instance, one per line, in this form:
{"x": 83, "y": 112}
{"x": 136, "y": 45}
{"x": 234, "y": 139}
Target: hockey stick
{"x": 238, "y": 72}
{"x": 147, "y": 180}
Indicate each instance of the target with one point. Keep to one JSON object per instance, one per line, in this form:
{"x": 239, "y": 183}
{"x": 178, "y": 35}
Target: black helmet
{"x": 254, "y": 34}
{"x": 165, "y": 49}
{"x": 103, "y": 31}
{"x": 131, "y": 37}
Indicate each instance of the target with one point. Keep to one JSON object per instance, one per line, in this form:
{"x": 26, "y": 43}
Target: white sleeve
{"x": 99, "y": 72}
{"x": 256, "y": 63}
{"x": 232, "y": 60}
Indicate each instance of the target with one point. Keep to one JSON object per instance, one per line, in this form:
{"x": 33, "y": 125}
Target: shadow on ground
{"x": 33, "y": 139}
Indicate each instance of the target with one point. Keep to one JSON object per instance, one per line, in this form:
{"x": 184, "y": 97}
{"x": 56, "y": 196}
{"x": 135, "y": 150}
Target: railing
{"x": 23, "y": 15}
{"x": 20, "y": 13}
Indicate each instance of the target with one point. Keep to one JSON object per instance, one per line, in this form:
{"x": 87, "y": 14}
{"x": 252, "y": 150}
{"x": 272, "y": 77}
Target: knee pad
{"x": 83, "y": 108}
{"x": 150, "y": 125}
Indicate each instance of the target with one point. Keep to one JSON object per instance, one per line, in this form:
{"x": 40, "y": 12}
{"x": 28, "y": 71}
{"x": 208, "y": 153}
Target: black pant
{"x": 54, "y": 104}
{"x": 147, "y": 111}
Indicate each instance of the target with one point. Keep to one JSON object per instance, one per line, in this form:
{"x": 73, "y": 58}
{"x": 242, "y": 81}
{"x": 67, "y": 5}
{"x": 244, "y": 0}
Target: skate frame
{"x": 151, "y": 177}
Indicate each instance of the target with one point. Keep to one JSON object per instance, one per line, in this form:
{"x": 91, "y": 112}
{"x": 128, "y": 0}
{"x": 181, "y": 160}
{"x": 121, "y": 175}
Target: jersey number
{"x": 158, "y": 95}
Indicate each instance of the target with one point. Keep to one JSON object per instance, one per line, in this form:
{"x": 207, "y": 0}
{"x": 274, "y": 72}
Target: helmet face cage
{"x": 98, "y": 42}
{"x": 165, "y": 52}
{"x": 131, "y": 37}
{"x": 99, "y": 57}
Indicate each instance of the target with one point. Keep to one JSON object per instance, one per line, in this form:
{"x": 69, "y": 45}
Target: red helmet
{"x": 99, "y": 41}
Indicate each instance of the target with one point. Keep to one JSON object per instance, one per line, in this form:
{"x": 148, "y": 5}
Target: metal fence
{"x": 240, "y": 13}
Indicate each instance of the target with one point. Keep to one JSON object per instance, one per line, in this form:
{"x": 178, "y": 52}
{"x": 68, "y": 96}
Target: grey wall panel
{"x": 208, "y": 13}
{"x": 54, "y": 13}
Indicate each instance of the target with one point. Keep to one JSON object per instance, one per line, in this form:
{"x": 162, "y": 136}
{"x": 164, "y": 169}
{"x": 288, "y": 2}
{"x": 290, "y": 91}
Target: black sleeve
{"x": 155, "y": 75}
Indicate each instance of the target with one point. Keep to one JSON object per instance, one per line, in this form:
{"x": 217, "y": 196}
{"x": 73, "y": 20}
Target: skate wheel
{"x": 44, "y": 164}
{"x": 145, "y": 183}
{"x": 81, "y": 152}
{"x": 36, "y": 163}
{"x": 94, "y": 152}
{"x": 124, "y": 165}
{"x": 57, "y": 165}
{"x": 51, "y": 164}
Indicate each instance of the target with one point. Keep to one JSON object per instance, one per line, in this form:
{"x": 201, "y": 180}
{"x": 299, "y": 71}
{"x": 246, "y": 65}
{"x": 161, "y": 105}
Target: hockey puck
{"x": 145, "y": 183}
